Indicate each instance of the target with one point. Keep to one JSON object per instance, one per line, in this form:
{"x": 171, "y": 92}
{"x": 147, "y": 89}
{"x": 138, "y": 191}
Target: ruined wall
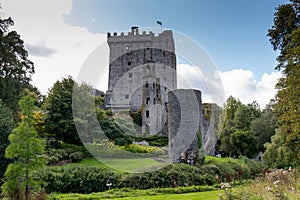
{"x": 185, "y": 121}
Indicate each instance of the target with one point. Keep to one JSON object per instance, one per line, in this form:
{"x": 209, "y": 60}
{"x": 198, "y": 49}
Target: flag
{"x": 158, "y": 22}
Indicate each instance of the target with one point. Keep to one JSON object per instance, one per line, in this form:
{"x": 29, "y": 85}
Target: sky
{"x": 61, "y": 34}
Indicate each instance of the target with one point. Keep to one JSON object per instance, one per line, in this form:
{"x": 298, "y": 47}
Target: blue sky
{"x": 233, "y": 32}
{"x": 61, "y": 34}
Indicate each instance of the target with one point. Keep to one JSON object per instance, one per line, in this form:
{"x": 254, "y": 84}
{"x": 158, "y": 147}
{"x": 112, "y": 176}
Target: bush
{"x": 56, "y": 155}
{"x": 71, "y": 148}
{"x": 135, "y": 148}
{"x": 76, "y": 156}
{"x": 74, "y": 179}
{"x": 171, "y": 176}
{"x": 235, "y": 169}
{"x": 155, "y": 140}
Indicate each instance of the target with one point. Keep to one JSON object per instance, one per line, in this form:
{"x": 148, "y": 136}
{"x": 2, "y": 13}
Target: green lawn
{"x": 122, "y": 165}
{"x": 132, "y": 165}
{"x": 189, "y": 196}
{"x": 140, "y": 195}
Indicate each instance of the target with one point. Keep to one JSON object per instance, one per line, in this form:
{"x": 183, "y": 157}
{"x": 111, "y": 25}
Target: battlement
{"x": 134, "y": 35}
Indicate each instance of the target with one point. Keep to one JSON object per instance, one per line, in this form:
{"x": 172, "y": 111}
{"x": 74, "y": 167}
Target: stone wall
{"x": 185, "y": 121}
{"x": 136, "y": 60}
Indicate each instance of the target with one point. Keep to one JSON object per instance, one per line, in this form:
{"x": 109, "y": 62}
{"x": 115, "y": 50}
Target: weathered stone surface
{"x": 185, "y": 121}
{"x": 142, "y": 70}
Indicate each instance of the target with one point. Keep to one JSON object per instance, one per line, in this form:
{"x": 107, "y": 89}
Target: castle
{"x": 142, "y": 76}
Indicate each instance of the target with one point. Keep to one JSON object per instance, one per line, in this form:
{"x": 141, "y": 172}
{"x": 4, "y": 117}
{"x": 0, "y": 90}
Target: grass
{"x": 213, "y": 159}
{"x": 131, "y": 165}
{"x": 189, "y": 196}
{"x": 159, "y": 193}
{"x": 121, "y": 165}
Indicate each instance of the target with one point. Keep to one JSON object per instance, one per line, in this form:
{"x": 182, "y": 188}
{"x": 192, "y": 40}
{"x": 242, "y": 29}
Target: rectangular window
{"x": 126, "y": 96}
{"x": 147, "y": 100}
{"x": 129, "y": 63}
{"x": 147, "y": 113}
{"x": 154, "y": 101}
{"x": 146, "y": 85}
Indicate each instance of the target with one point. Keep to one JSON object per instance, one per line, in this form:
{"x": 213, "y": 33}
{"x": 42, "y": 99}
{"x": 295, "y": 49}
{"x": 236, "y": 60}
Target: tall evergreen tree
{"x": 285, "y": 37}
{"x": 15, "y": 67}
{"x": 6, "y": 126}
{"x": 25, "y": 149}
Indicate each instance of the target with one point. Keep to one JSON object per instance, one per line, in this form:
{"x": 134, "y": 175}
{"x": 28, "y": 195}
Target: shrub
{"x": 56, "y": 155}
{"x": 235, "y": 169}
{"x": 71, "y": 148}
{"x": 74, "y": 179}
{"x": 155, "y": 140}
{"x": 135, "y": 148}
{"x": 171, "y": 176}
{"x": 76, "y": 156}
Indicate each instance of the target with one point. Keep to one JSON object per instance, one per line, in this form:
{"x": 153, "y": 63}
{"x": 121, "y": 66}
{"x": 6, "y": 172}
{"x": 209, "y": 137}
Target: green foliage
{"x": 15, "y": 68}
{"x": 226, "y": 124}
{"x": 136, "y": 116}
{"x": 66, "y": 152}
{"x": 58, "y": 106}
{"x": 170, "y": 176}
{"x": 114, "y": 133}
{"x": 26, "y": 150}
{"x": 243, "y": 144}
{"x": 235, "y": 137}
{"x": 92, "y": 176}
{"x": 55, "y": 155}
{"x": 6, "y": 126}
{"x": 75, "y": 179}
{"x": 277, "y": 153}
{"x": 285, "y": 36}
{"x": 76, "y": 156}
{"x": 126, "y": 192}
{"x": 71, "y": 148}
{"x": 134, "y": 148}
{"x": 263, "y": 128}
{"x": 229, "y": 169}
{"x": 155, "y": 140}
{"x": 245, "y": 114}
{"x": 279, "y": 184}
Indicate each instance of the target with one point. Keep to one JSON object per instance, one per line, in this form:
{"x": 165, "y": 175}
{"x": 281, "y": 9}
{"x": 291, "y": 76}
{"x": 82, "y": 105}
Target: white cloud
{"x": 241, "y": 84}
{"x": 59, "y": 49}
{"x": 56, "y": 48}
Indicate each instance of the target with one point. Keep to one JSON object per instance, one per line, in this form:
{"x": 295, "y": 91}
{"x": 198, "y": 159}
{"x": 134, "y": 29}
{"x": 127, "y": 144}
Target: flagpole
{"x": 160, "y": 23}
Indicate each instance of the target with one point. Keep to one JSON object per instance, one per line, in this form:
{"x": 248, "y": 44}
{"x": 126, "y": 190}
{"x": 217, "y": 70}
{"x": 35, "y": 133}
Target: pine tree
{"x": 25, "y": 149}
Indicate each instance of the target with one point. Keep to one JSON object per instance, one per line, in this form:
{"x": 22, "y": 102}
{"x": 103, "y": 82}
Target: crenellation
{"x": 136, "y": 60}
{"x": 142, "y": 75}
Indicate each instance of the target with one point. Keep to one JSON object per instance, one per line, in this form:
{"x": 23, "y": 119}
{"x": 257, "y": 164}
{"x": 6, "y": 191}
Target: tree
{"x": 59, "y": 121}
{"x": 285, "y": 37}
{"x": 226, "y": 124}
{"x": 15, "y": 68}
{"x": 243, "y": 143}
{"x": 84, "y": 112}
{"x": 237, "y": 118}
{"x": 25, "y": 149}
{"x": 6, "y": 126}
{"x": 245, "y": 114}
{"x": 263, "y": 128}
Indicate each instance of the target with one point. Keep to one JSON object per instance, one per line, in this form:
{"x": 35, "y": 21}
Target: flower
{"x": 225, "y": 185}
{"x": 268, "y": 189}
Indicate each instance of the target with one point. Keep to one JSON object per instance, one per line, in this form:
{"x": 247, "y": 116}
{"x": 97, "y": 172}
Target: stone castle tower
{"x": 142, "y": 70}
